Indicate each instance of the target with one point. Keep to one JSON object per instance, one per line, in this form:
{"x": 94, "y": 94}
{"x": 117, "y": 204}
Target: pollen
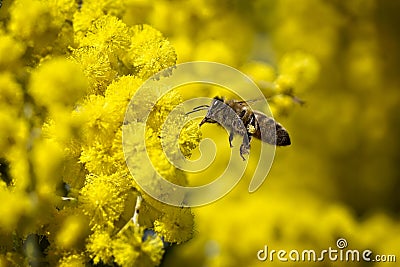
{"x": 251, "y": 129}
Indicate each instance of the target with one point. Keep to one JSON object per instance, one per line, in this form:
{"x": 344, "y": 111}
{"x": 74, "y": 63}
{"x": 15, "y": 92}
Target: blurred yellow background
{"x": 340, "y": 176}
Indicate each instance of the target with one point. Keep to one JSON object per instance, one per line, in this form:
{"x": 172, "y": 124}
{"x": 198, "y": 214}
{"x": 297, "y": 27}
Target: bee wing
{"x": 270, "y": 131}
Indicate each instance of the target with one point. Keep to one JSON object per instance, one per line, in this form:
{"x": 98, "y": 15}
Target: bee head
{"x": 216, "y": 102}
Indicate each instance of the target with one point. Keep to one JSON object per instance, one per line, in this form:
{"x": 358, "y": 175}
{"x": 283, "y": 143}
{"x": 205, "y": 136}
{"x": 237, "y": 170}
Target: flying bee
{"x": 245, "y": 122}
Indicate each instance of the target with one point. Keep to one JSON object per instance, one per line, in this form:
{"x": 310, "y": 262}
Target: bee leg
{"x": 245, "y": 146}
{"x": 244, "y": 150}
{"x": 230, "y": 138}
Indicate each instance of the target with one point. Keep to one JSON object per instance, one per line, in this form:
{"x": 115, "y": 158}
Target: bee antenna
{"x": 202, "y": 106}
{"x": 193, "y": 111}
{"x": 199, "y": 108}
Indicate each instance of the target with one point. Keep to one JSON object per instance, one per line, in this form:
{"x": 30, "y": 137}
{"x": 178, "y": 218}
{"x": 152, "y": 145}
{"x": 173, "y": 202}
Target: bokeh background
{"x": 340, "y": 176}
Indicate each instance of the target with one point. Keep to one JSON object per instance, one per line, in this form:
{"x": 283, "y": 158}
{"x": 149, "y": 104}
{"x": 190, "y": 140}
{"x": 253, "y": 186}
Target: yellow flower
{"x": 297, "y": 72}
{"x": 99, "y": 247}
{"x": 13, "y": 132}
{"x": 263, "y": 75}
{"x": 15, "y": 205}
{"x": 32, "y": 21}
{"x": 72, "y": 232}
{"x": 62, "y": 10}
{"x": 96, "y": 66}
{"x": 58, "y": 82}
{"x": 103, "y": 199}
{"x": 149, "y": 52}
{"x": 11, "y": 51}
{"x": 189, "y": 138}
{"x": 120, "y": 92}
{"x": 102, "y": 148}
{"x": 11, "y": 95}
{"x": 47, "y": 158}
{"x": 108, "y": 34}
{"x": 132, "y": 248}
{"x": 176, "y": 225}
{"x": 74, "y": 260}
{"x": 281, "y": 105}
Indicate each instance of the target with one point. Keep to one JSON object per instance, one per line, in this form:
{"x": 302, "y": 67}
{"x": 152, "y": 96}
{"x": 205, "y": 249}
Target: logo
{"x": 138, "y": 116}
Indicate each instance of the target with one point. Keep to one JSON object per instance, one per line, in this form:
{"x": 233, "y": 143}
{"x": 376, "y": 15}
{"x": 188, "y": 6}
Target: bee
{"x": 244, "y": 122}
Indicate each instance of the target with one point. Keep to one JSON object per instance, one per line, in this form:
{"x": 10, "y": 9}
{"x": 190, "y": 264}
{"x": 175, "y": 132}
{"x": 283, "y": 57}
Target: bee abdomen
{"x": 270, "y": 131}
{"x": 282, "y": 136}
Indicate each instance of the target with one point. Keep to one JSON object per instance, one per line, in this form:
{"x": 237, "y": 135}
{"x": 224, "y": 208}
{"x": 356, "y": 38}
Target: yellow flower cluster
{"x": 69, "y": 68}
{"x": 131, "y": 247}
{"x": 67, "y": 73}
